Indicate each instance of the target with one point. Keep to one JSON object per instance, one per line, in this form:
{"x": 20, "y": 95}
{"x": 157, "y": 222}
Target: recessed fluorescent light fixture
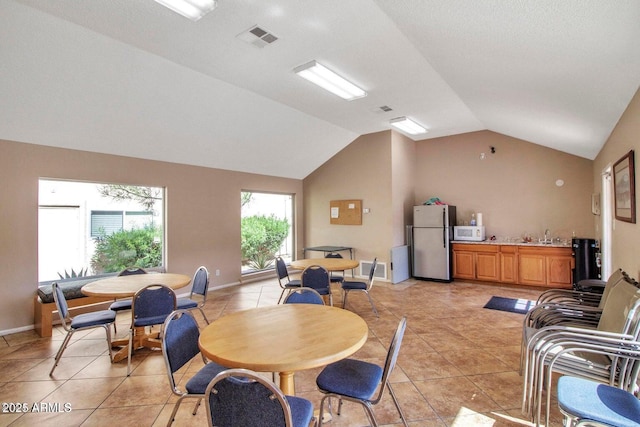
{"x": 328, "y": 80}
{"x": 407, "y": 125}
{"x": 192, "y": 9}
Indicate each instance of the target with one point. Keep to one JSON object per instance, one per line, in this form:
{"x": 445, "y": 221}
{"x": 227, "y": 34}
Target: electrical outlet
{"x": 217, "y": 272}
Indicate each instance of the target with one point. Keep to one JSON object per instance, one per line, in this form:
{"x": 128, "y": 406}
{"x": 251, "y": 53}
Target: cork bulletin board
{"x": 346, "y": 212}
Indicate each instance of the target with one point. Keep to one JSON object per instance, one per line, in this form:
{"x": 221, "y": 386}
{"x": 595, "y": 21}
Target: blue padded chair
{"x": 200, "y": 286}
{"x": 102, "y": 318}
{"x": 348, "y": 286}
{"x": 357, "y": 381}
{"x": 283, "y": 278}
{"x": 239, "y": 397}
{"x": 304, "y": 295}
{"x": 179, "y": 346}
{"x": 125, "y": 304}
{"x": 586, "y": 402}
{"x": 335, "y": 278}
{"x": 317, "y": 278}
{"x": 150, "y": 306}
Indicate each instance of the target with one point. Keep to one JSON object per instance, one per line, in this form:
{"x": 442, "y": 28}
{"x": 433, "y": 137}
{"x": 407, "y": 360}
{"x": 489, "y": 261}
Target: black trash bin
{"x": 586, "y": 270}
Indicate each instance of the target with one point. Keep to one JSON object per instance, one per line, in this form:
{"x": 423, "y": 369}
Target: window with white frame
{"x": 87, "y": 229}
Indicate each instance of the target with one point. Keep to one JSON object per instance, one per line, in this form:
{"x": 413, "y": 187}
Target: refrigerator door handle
{"x": 444, "y": 228}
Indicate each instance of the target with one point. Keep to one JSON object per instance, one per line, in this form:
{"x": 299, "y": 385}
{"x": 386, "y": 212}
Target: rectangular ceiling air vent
{"x": 257, "y": 36}
{"x": 386, "y": 108}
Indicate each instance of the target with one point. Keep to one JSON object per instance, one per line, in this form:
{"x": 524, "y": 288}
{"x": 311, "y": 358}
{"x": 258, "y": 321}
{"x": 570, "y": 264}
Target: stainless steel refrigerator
{"x": 431, "y": 236}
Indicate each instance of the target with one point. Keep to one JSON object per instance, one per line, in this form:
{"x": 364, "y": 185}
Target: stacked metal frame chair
{"x": 580, "y": 351}
{"x": 285, "y": 282}
{"x": 180, "y": 346}
{"x": 239, "y": 397}
{"x": 200, "y": 287}
{"x": 567, "y": 308}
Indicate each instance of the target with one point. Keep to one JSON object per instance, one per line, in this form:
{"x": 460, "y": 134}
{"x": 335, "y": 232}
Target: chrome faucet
{"x": 547, "y": 232}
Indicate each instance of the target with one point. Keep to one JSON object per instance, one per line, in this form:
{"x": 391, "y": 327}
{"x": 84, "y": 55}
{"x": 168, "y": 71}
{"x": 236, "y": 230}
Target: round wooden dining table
{"x": 126, "y": 287}
{"x": 331, "y": 264}
{"x": 283, "y": 338}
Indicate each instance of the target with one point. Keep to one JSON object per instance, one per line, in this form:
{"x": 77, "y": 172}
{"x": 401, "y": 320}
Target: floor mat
{"x": 513, "y": 305}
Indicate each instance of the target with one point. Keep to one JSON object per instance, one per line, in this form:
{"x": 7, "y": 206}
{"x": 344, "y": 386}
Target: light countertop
{"x": 503, "y": 243}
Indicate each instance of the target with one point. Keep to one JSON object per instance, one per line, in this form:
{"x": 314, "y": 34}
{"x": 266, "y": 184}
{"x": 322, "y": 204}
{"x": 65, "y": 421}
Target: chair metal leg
{"x": 130, "y": 351}
{"x": 107, "y": 330}
{"x": 373, "y": 306}
{"x": 395, "y": 401}
{"x": 197, "y": 405}
{"x": 320, "y": 417}
{"x": 281, "y": 295}
{"x": 61, "y": 350}
{"x": 344, "y": 298}
{"x": 369, "y": 411}
{"x": 204, "y": 315}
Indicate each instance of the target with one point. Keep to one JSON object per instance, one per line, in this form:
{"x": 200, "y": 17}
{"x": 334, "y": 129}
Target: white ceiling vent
{"x": 259, "y": 37}
{"x": 381, "y": 110}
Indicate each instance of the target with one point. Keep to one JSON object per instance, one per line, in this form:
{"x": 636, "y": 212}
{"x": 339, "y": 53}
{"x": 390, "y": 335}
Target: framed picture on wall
{"x": 624, "y": 188}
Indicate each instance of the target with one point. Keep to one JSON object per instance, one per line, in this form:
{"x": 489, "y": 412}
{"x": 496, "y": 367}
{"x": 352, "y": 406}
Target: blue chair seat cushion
{"x": 593, "y": 401}
{"x": 199, "y": 382}
{"x": 336, "y": 279}
{"x": 95, "y": 318}
{"x": 353, "y": 286}
{"x": 301, "y": 411}
{"x": 350, "y": 377}
{"x": 185, "y": 304}
{"x": 149, "y": 321}
{"x": 296, "y": 283}
{"x": 120, "y": 305}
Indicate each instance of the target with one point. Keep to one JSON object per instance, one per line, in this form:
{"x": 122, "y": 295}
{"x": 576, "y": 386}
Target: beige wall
{"x": 626, "y": 236}
{"x": 362, "y": 170}
{"x": 514, "y": 188}
{"x": 203, "y": 214}
{"x": 403, "y": 153}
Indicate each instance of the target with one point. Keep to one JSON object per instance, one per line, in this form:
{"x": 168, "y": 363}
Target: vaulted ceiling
{"x": 131, "y": 77}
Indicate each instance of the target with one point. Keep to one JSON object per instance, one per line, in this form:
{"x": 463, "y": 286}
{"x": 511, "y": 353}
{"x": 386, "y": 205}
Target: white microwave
{"x": 470, "y": 233}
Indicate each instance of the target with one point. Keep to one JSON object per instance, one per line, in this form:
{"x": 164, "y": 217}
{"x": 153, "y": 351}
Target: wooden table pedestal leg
{"x": 287, "y": 384}
{"x": 140, "y": 339}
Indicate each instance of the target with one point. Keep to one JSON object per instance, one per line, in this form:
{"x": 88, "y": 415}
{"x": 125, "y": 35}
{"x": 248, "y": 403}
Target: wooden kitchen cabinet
{"x": 463, "y": 264}
{"x": 508, "y": 264}
{"x": 476, "y": 262}
{"x": 487, "y": 266}
{"x": 530, "y": 265}
{"x": 545, "y": 266}
{"x": 531, "y": 268}
{"x": 559, "y": 267}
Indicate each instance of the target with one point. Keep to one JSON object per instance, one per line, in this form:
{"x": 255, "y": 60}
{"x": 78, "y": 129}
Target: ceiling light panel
{"x": 192, "y": 9}
{"x": 407, "y": 125}
{"x": 320, "y": 75}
